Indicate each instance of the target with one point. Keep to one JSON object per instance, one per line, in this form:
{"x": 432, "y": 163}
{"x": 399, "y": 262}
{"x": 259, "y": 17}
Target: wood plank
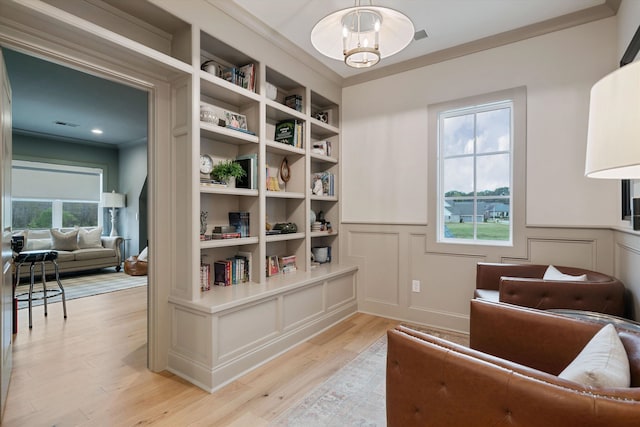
{"x": 91, "y": 370}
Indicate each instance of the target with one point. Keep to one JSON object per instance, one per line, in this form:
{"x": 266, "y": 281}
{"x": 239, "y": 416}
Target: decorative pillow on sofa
{"x": 37, "y": 240}
{"x": 64, "y": 241}
{"x": 603, "y": 362}
{"x": 89, "y": 239}
{"x": 553, "y": 273}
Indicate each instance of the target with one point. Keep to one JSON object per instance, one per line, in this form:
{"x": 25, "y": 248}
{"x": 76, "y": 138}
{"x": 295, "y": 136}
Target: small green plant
{"x": 226, "y": 169}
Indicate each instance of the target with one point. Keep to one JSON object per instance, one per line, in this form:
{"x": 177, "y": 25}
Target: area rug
{"x": 82, "y": 285}
{"x": 355, "y": 395}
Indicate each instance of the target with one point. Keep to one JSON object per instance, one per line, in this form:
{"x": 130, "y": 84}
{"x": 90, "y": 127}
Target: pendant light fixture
{"x": 362, "y": 35}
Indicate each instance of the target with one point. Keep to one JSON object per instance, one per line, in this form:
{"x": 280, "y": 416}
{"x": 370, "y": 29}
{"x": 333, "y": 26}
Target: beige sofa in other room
{"x": 79, "y": 249}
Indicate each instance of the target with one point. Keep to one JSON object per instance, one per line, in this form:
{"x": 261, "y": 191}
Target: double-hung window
{"x": 475, "y": 174}
{"x": 47, "y": 195}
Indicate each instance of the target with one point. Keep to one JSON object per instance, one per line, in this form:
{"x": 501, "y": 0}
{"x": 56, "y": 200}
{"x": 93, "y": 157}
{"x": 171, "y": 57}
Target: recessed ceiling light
{"x": 96, "y": 131}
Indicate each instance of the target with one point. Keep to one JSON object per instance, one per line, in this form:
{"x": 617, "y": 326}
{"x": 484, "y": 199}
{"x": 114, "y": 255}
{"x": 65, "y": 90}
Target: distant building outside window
{"x": 475, "y": 174}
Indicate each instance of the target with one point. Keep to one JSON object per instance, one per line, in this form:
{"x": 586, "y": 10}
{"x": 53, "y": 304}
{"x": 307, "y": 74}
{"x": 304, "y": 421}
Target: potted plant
{"x": 227, "y": 169}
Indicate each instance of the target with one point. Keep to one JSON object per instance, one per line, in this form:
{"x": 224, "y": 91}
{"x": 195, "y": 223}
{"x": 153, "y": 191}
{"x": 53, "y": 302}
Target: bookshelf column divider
{"x": 195, "y": 160}
{"x": 262, "y": 156}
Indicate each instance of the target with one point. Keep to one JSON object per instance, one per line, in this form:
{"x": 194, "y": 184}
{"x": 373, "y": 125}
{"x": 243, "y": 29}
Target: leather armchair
{"x": 522, "y": 284}
{"x": 508, "y": 377}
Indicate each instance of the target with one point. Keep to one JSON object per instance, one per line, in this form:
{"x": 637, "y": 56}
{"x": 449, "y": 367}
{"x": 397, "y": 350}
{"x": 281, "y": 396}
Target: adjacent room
{"x": 322, "y": 213}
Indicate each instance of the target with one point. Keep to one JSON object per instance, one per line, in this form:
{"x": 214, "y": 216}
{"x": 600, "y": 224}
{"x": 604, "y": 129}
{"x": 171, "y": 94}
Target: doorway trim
{"x": 26, "y": 39}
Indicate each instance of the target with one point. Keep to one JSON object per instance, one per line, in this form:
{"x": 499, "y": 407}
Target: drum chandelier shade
{"x": 362, "y": 35}
{"x": 613, "y": 139}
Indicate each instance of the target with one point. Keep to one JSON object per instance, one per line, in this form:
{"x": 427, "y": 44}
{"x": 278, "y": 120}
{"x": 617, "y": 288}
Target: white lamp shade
{"x": 113, "y": 200}
{"x": 396, "y": 32}
{"x": 613, "y": 141}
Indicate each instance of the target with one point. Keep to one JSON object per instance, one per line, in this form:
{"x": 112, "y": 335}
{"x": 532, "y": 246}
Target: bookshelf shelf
{"x": 230, "y": 136}
{"x": 204, "y": 188}
{"x": 323, "y": 159}
{"x": 323, "y": 234}
{"x": 224, "y": 243}
{"x": 225, "y": 91}
{"x": 284, "y": 195}
{"x": 284, "y": 237}
{"x": 282, "y": 148}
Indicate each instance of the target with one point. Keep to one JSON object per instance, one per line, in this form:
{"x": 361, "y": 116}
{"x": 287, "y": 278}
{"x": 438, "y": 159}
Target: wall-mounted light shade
{"x": 613, "y": 140}
{"x": 361, "y": 35}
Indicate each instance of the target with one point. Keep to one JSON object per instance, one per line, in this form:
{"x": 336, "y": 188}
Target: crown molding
{"x": 257, "y": 26}
{"x": 607, "y": 9}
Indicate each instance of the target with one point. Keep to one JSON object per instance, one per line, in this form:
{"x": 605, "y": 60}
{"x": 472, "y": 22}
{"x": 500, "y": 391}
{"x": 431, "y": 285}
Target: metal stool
{"x": 40, "y": 257}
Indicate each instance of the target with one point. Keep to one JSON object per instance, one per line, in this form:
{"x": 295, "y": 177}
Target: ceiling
{"x": 52, "y": 101}
{"x": 448, "y": 23}
{"x": 49, "y": 100}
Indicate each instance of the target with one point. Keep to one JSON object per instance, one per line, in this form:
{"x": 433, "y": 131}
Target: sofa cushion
{"x": 39, "y": 234}
{"x": 603, "y": 362}
{"x": 64, "y": 241}
{"x": 89, "y": 238}
{"x": 65, "y": 256}
{"x": 94, "y": 253}
{"x": 553, "y": 273}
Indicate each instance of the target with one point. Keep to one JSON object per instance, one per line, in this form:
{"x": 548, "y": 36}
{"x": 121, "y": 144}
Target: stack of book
{"x": 290, "y": 132}
{"x": 293, "y": 101}
{"x": 240, "y": 220}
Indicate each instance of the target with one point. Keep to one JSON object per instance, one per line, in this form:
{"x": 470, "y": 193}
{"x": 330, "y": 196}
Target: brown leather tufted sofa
{"x": 508, "y": 378}
{"x": 522, "y": 284}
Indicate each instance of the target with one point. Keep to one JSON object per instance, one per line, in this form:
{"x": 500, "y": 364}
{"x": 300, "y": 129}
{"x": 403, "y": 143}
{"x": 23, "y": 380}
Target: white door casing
{"x": 6, "y": 285}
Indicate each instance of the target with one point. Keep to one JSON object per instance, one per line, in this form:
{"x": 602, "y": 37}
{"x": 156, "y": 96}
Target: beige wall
{"x": 627, "y": 243}
{"x": 385, "y": 197}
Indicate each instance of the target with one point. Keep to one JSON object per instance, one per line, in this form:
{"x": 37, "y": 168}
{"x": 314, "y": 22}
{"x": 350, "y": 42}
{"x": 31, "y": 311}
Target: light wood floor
{"x": 90, "y": 370}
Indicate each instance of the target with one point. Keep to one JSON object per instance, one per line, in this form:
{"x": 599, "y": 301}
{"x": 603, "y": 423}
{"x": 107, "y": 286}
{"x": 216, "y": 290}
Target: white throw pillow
{"x": 553, "y": 273}
{"x": 603, "y": 362}
{"x": 62, "y": 241}
{"x": 143, "y": 255}
{"x": 90, "y": 239}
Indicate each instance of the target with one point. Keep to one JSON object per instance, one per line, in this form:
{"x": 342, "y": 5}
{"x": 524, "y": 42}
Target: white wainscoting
{"x": 391, "y": 256}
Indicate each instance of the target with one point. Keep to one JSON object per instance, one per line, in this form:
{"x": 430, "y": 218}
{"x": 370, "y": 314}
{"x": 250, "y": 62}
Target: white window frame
{"x": 457, "y": 112}
{"x": 517, "y": 212}
{"x": 56, "y": 203}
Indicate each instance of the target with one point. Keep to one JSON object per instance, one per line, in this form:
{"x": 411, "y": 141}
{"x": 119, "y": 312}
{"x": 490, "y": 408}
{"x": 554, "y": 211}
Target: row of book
{"x": 291, "y": 132}
{"x": 244, "y": 76}
{"x": 231, "y": 271}
{"x": 323, "y": 184}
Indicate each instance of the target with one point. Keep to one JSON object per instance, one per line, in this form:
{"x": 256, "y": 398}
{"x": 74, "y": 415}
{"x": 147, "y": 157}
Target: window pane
{"x": 457, "y": 134}
{"x": 493, "y": 175}
{"x": 79, "y": 214}
{"x": 458, "y": 177}
{"x": 496, "y": 219}
{"x": 458, "y": 219}
{"x": 29, "y": 214}
{"x": 494, "y": 130}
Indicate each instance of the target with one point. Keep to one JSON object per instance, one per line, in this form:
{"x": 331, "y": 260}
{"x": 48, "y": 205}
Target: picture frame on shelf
{"x": 235, "y": 120}
{"x": 273, "y": 265}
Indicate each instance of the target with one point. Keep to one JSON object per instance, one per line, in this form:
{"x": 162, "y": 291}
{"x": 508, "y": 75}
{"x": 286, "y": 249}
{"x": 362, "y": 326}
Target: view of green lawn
{"x": 486, "y": 230}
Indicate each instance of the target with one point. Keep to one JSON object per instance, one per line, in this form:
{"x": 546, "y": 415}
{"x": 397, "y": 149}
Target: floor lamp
{"x": 113, "y": 200}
